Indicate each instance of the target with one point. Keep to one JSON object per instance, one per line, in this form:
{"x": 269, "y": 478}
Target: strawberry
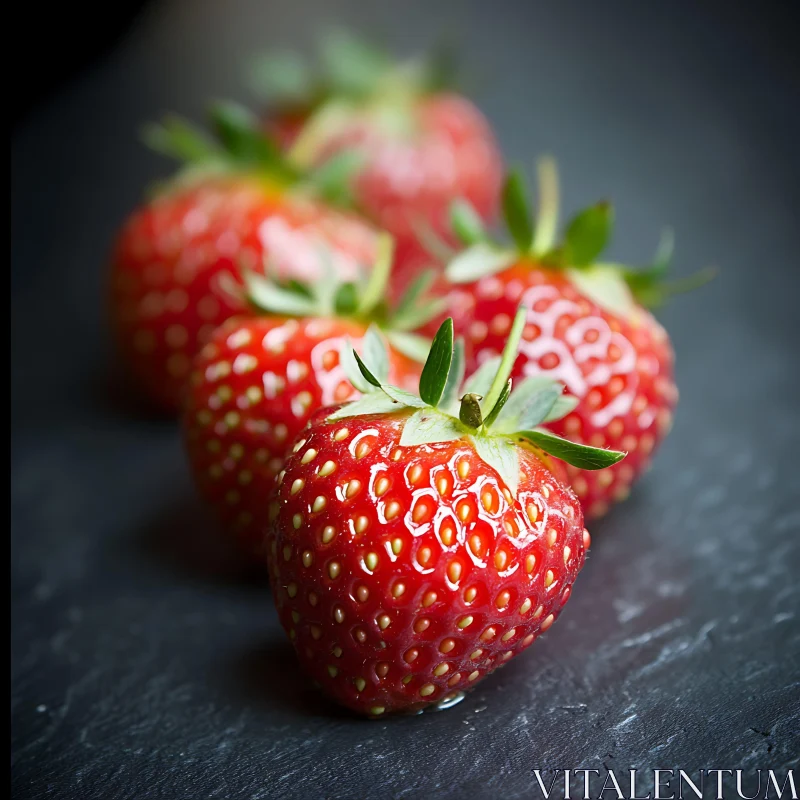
{"x": 414, "y": 550}
{"x": 236, "y": 203}
{"x": 261, "y": 376}
{"x": 587, "y": 326}
{"x": 420, "y": 145}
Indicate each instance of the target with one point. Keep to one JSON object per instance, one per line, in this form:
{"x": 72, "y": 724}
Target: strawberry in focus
{"x": 413, "y": 552}
{"x": 262, "y": 375}
{"x": 235, "y": 204}
{"x": 587, "y": 326}
{"x": 420, "y": 145}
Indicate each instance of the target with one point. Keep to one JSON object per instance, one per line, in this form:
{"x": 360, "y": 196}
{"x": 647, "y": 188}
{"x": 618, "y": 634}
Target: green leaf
{"x": 416, "y": 289}
{"x": 179, "y": 139}
{"x": 375, "y": 354}
{"x": 539, "y": 405}
{"x": 268, "y": 296}
{"x": 240, "y": 132}
{"x": 579, "y": 455}
{"x": 428, "y": 426}
{"x": 501, "y": 455}
{"x": 649, "y": 285}
{"x": 508, "y": 419}
{"x": 663, "y": 257}
{"x": 403, "y": 397}
{"x": 432, "y": 243}
{"x": 531, "y": 402}
{"x": 345, "y": 298}
{"x": 283, "y": 78}
{"x": 410, "y": 345}
{"x": 587, "y": 234}
{"x": 469, "y": 411}
{"x": 333, "y": 179}
{"x": 605, "y": 285}
{"x": 478, "y": 261}
{"x": 441, "y": 67}
{"x": 370, "y": 403}
{"x": 455, "y": 376}
{"x": 376, "y": 283}
{"x": 351, "y": 65}
{"x": 481, "y": 380}
{"x": 563, "y": 405}
{"x": 347, "y": 360}
{"x": 498, "y": 406}
{"x": 323, "y": 124}
{"x": 415, "y": 308}
{"x": 517, "y": 211}
{"x": 466, "y": 222}
{"x": 365, "y": 371}
{"x": 295, "y": 285}
{"x": 425, "y": 311}
{"x": 689, "y": 283}
{"x": 437, "y": 367}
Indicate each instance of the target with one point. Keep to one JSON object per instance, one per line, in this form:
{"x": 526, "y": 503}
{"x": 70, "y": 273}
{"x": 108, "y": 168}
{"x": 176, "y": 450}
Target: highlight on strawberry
{"x": 420, "y": 144}
{"x": 420, "y": 541}
{"x": 587, "y": 325}
{"x": 235, "y": 201}
{"x": 262, "y": 375}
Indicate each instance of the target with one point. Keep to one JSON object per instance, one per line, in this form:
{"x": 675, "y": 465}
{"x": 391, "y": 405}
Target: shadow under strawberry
{"x": 265, "y": 677}
{"x": 111, "y": 391}
{"x": 184, "y": 539}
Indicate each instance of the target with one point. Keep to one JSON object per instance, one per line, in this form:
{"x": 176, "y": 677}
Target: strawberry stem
{"x": 470, "y": 410}
{"x": 507, "y": 360}
{"x": 376, "y": 284}
{"x": 544, "y": 236}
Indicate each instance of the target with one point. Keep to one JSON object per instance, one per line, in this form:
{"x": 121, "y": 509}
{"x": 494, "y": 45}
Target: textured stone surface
{"x": 147, "y": 659}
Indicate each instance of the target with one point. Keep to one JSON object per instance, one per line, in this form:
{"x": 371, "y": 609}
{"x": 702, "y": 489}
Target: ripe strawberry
{"x": 421, "y": 146}
{"x": 413, "y": 552}
{"x": 235, "y": 205}
{"x": 587, "y": 326}
{"x": 259, "y": 379}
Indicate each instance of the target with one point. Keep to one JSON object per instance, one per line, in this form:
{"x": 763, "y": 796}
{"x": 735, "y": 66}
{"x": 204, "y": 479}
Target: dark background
{"x": 146, "y": 658}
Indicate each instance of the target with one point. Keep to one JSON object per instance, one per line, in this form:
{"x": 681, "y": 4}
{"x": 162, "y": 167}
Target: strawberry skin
{"x": 165, "y": 294}
{"x": 403, "y": 575}
{"x": 410, "y": 177}
{"x": 620, "y": 368}
{"x": 253, "y": 387}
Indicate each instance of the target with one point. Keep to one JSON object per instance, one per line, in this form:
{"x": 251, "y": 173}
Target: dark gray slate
{"x": 146, "y": 658}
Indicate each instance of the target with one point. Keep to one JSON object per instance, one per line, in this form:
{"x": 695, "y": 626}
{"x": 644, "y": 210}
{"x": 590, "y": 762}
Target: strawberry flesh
{"x": 166, "y": 298}
{"x": 620, "y": 368}
{"x": 410, "y": 178}
{"x": 254, "y": 386}
{"x": 403, "y": 575}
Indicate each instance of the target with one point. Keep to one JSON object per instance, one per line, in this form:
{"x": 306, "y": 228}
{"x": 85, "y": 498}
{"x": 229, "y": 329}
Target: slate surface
{"x": 147, "y": 660}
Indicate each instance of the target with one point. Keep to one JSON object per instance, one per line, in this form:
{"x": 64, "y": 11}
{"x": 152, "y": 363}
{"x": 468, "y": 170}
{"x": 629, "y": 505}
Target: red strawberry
{"x": 586, "y": 327}
{"x": 259, "y": 379}
{"x": 420, "y": 146}
{"x": 239, "y": 206}
{"x": 413, "y": 552}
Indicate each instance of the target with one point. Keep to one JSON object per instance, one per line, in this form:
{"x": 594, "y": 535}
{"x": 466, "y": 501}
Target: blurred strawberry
{"x": 421, "y": 146}
{"x": 259, "y": 379}
{"x": 587, "y": 326}
{"x": 236, "y": 202}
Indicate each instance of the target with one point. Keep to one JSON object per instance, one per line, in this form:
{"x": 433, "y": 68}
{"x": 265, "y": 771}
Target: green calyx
{"x": 240, "y": 145}
{"x": 349, "y": 69}
{"x": 362, "y": 300}
{"x": 355, "y": 83}
{"x": 483, "y": 410}
{"x": 534, "y": 239}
